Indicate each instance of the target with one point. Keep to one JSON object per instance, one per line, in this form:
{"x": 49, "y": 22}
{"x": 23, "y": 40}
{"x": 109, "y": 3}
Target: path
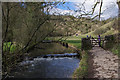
{"x": 102, "y": 64}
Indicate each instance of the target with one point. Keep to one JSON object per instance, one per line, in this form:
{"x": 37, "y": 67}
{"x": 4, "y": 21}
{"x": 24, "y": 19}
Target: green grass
{"x": 116, "y": 50}
{"x": 76, "y": 43}
{"x": 72, "y": 40}
{"x": 67, "y": 38}
{"x": 82, "y": 70}
{"x": 9, "y": 47}
{"x": 50, "y": 48}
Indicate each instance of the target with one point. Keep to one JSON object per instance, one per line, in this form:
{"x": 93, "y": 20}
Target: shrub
{"x": 9, "y": 47}
{"x": 116, "y": 50}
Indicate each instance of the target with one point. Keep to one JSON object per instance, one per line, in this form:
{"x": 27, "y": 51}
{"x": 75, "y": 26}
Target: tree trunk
{"x": 119, "y": 16}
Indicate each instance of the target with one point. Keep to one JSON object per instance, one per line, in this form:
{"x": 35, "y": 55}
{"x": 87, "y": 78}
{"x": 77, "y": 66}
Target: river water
{"x": 61, "y": 67}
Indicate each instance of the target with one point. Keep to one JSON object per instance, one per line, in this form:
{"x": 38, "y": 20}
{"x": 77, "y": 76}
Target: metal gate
{"x": 95, "y": 42}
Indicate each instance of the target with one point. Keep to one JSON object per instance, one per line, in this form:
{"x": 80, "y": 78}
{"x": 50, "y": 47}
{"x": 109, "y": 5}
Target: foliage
{"x": 9, "y": 47}
{"x": 28, "y": 26}
{"x": 112, "y": 44}
{"x": 86, "y": 44}
{"x": 116, "y": 49}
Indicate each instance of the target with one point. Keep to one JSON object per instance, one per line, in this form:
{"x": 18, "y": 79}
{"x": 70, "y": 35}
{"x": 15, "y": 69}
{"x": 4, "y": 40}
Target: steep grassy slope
{"x": 107, "y": 29}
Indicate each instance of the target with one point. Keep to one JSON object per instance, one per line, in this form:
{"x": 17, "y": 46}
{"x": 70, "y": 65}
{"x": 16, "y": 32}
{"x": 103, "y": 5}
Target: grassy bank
{"x": 49, "y": 48}
{"x": 56, "y": 48}
{"x": 81, "y": 71}
{"x": 42, "y": 48}
{"x": 75, "y": 43}
{"x": 10, "y": 58}
{"x": 116, "y": 49}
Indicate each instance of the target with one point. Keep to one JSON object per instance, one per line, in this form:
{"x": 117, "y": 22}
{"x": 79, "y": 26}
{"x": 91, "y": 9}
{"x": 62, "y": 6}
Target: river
{"x": 61, "y": 67}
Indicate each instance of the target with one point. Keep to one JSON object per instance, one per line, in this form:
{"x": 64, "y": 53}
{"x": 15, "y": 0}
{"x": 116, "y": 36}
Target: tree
{"x": 24, "y": 26}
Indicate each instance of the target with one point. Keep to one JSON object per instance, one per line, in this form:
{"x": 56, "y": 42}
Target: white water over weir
{"x": 58, "y": 66}
{"x": 61, "y": 55}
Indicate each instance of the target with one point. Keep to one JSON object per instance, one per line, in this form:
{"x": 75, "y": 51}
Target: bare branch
{"x": 100, "y": 9}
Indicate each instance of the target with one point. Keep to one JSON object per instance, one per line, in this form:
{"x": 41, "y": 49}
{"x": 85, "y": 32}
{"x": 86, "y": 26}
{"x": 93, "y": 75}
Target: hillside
{"x": 107, "y": 29}
{"x": 69, "y": 26}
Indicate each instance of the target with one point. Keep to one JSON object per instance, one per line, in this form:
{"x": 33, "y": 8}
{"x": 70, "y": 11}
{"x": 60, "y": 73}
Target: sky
{"x": 75, "y": 8}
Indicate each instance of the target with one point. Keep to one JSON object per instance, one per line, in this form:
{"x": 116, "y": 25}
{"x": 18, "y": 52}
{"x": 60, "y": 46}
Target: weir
{"x": 62, "y": 67}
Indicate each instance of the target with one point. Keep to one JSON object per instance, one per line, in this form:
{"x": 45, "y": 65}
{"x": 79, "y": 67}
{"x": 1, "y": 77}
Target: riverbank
{"x": 49, "y": 48}
{"x": 46, "y": 48}
{"x": 12, "y": 59}
{"x": 82, "y": 70}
